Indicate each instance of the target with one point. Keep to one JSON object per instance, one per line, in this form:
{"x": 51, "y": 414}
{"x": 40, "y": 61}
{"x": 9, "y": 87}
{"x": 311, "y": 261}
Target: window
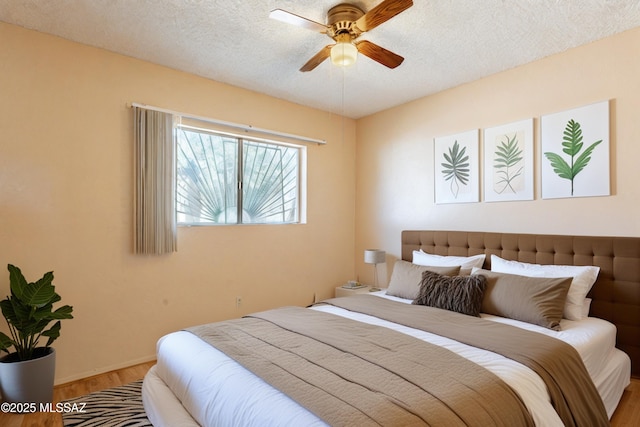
{"x": 226, "y": 179}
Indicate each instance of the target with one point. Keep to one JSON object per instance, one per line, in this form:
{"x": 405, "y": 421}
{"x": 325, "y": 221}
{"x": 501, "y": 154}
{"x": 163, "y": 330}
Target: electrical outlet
{"x": 238, "y": 302}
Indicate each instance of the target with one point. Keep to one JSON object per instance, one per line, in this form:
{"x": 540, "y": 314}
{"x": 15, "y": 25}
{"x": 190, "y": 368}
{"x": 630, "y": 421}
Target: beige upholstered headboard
{"x": 616, "y": 293}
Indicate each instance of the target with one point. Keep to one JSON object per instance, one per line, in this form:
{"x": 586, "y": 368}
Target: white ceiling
{"x": 445, "y": 43}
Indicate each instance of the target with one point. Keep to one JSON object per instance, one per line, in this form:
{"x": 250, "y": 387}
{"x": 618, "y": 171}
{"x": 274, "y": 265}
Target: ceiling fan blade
{"x": 317, "y": 59}
{"x": 381, "y": 13}
{"x": 293, "y": 19}
{"x": 379, "y": 54}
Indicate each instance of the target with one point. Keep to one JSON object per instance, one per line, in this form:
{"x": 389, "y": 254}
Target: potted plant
{"x": 27, "y": 373}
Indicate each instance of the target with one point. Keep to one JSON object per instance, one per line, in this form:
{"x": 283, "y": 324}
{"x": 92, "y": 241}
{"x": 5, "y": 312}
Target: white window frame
{"x": 241, "y": 140}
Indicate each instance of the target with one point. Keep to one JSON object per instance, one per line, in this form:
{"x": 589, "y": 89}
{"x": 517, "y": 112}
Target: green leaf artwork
{"x": 507, "y": 164}
{"x": 572, "y": 143}
{"x": 456, "y": 168}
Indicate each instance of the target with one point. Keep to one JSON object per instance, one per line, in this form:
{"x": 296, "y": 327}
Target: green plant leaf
{"x": 8, "y": 311}
{"x": 41, "y": 292}
{"x": 17, "y": 281}
{"x": 5, "y": 342}
{"x": 582, "y": 161}
{"x": 456, "y": 168}
{"x": 572, "y": 141}
{"x": 21, "y": 313}
{"x": 508, "y": 155}
{"x": 28, "y": 312}
{"x": 63, "y": 312}
{"x": 560, "y": 166}
{"x": 53, "y": 333}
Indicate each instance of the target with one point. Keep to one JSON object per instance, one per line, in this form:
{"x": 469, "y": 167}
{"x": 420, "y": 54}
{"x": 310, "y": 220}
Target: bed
{"x": 197, "y": 383}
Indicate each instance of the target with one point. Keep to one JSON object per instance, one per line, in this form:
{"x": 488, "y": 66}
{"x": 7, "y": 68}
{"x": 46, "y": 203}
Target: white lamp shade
{"x": 374, "y": 256}
{"x": 344, "y": 54}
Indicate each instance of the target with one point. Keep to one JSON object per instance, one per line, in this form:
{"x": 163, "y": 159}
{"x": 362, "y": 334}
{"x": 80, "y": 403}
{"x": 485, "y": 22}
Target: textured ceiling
{"x": 445, "y": 43}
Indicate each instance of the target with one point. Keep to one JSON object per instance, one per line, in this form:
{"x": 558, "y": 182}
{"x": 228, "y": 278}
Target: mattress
{"x": 195, "y": 384}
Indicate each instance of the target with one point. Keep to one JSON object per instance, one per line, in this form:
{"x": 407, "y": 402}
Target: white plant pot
{"x": 29, "y": 381}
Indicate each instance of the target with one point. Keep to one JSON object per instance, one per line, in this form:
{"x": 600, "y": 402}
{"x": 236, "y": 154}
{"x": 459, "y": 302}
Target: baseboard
{"x": 104, "y": 370}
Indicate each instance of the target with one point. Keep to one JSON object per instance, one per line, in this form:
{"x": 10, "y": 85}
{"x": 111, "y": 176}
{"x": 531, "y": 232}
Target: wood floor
{"x": 76, "y": 389}
{"x": 627, "y": 414}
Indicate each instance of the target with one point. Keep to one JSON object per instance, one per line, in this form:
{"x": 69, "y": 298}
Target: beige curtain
{"x": 155, "y": 207}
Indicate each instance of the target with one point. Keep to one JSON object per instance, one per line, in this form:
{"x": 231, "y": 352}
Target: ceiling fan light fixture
{"x": 344, "y": 54}
{"x": 345, "y": 23}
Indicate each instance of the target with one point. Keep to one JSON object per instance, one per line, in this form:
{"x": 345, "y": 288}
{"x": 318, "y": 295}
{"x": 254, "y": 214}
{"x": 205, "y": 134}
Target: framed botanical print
{"x": 575, "y": 152}
{"x": 508, "y": 162}
{"x": 456, "y": 166}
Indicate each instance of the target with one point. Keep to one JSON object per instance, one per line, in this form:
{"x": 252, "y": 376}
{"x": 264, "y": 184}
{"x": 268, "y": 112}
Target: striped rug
{"x": 114, "y": 407}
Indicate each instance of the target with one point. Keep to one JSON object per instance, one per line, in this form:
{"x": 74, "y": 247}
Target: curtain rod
{"x": 245, "y": 128}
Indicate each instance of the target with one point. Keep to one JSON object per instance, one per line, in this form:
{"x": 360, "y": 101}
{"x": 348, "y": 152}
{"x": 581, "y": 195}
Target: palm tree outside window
{"x": 226, "y": 179}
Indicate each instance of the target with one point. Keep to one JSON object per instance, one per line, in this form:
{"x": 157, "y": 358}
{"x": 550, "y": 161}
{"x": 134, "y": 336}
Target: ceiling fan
{"x": 345, "y": 23}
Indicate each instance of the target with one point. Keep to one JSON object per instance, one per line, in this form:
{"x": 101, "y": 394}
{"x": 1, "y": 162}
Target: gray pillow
{"x": 537, "y": 300}
{"x": 406, "y": 277}
{"x": 462, "y": 294}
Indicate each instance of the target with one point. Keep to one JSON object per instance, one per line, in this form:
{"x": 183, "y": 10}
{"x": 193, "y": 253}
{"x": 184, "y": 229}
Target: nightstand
{"x": 345, "y": 292}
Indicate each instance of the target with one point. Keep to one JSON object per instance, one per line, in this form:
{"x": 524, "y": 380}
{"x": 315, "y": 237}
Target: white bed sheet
{"x": 215, "y": 390}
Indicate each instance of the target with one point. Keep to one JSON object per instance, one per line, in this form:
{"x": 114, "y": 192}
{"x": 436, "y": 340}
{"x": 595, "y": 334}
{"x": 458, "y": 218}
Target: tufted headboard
{"x": 615, "y": 295}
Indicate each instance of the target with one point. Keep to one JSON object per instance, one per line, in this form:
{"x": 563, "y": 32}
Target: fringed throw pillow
{"x": 462, "y": 294}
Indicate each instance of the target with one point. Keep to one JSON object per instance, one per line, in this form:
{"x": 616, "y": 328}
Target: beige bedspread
{"x": 573, "y": 394}
{"x": 350, "y": 373}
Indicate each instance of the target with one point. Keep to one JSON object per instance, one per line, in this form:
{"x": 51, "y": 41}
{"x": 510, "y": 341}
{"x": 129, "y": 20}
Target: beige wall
{"x": 66, "y": 186}
{"x": 66, "y": 202}
{"x": 394, "y": 184}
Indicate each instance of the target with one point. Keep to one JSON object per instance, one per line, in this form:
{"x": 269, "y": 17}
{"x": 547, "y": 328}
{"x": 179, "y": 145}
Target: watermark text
{"x": 30, "y": 407}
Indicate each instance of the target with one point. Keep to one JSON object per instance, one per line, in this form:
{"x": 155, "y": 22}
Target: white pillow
{"x": 466, "y": 263}
{"x": 583, "y": 279}
{"x": 586, "y": 306}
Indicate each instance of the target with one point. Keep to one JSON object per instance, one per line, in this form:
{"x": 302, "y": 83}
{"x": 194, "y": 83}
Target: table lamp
{"x": 375, "y": 257}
